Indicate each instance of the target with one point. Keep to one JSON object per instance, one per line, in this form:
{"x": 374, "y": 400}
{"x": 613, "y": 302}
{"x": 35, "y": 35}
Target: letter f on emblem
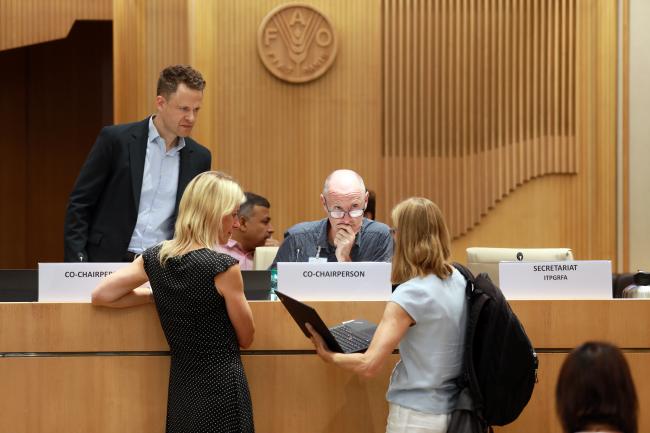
{"x": 270, "y": 34}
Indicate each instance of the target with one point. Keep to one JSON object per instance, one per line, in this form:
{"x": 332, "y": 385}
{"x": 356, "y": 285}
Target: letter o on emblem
{"x": 296, "y": 42}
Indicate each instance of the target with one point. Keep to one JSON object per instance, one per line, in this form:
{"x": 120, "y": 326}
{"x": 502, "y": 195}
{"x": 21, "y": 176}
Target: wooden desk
{"x": 79, "y": 368}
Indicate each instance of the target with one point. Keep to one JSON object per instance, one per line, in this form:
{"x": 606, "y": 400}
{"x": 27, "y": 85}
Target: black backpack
{"x": 499, "y": 363}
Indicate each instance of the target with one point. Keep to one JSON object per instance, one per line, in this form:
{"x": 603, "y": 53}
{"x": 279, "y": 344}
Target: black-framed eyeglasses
{"x": 338, "y": 214}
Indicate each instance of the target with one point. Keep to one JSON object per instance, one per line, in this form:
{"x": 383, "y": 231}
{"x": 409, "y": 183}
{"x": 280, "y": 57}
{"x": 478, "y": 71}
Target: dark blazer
{"x": 103, "y": 206}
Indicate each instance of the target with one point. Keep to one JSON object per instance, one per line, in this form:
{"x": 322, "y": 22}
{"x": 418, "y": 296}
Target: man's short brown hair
{"x": 172, "y": 76}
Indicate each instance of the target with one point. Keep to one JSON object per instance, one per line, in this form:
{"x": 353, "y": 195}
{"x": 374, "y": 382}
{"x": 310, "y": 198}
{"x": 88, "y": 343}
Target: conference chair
{"x": 264, "y": 257}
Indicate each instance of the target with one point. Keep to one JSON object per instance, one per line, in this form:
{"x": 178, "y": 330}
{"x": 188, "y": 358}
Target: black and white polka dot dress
{"x": 208, "y": 391}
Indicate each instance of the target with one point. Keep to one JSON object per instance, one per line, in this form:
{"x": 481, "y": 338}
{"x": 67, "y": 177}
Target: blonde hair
{"x": 421, "y": 241}
{"x": 207, "y": 199}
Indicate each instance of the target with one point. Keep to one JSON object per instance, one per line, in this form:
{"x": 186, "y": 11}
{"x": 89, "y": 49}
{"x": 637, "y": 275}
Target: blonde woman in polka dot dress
{"x": 200, "y": 300}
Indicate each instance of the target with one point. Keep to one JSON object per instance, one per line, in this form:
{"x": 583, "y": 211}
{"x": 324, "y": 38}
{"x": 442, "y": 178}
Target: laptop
{"x": 352, "y": 336}
{"x": 257, "y": 285}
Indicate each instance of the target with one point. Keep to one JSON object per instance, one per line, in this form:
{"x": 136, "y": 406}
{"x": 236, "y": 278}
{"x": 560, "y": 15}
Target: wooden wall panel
{"x": 128, "y": 393}
{"x": 279, "y": 139}
{"x": 481, "y": 97}
{"x": 462, "y": 101}
{"x": 624, "y": 127}
{"x": 114, "y": 394}
{"x": 58, "y": 329}
{"x": 27, "y": 22}
{"x": 84, "y": 394}
{"x": 148, "y": 35}
{"x": 475, "y": 101}
{"x": 84, "y": 370}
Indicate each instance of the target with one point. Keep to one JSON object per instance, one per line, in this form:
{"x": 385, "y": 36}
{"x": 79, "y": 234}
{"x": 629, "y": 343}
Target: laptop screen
{"x": 303, "y": 313}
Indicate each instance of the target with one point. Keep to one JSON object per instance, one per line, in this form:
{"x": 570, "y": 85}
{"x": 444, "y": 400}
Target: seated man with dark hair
{"x": 345, "y": 235}
{"x": 255, "y": 230}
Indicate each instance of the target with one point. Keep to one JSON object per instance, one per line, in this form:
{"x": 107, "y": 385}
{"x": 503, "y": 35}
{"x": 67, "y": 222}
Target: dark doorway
{"x": 56, "y": 97}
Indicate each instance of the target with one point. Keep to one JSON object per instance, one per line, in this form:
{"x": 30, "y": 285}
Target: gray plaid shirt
{"x": 373, "y": 243}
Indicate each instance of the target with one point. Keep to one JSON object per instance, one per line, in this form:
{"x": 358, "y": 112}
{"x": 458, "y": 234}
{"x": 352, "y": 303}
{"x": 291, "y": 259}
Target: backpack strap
{"x": 463, "y": 380}
{"x": 468, "y": 378}
{"x": 468, "y": 276}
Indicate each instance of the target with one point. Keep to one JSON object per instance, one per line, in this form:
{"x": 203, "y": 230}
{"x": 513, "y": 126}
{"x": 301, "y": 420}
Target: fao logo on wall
{"x": 296, "y": 42}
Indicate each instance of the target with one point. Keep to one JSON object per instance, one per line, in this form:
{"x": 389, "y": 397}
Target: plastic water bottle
{"x": 274, "y": 284}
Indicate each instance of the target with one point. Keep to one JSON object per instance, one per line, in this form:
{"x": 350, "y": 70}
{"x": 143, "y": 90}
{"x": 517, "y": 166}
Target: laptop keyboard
{"x": 348, "y": 339}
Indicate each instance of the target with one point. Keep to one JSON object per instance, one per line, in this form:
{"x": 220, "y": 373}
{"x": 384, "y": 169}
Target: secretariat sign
{"x": 333, "y": 281}
{"x": 71, "y": 282}
{"x": 296, "y": 42}
{"x": 579, "y": 279}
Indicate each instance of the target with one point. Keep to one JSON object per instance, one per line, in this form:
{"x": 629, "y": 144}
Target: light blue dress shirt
{"x": 431, "y": 352}
{"x": 158, "y": 195}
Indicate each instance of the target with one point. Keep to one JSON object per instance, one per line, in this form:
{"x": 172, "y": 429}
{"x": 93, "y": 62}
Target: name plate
{"x": 71, "y": 282}
{"x": 579, "y": 279}
{"x": 333, "y": 281}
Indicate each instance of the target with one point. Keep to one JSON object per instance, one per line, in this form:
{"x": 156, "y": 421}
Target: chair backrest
{"x": 484, "y": 259}
{"x": 264, "y": 257}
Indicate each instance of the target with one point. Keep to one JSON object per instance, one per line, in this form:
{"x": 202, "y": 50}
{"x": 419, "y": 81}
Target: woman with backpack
{"x": 426, "y": 316}
{"x": 595, "y": 391}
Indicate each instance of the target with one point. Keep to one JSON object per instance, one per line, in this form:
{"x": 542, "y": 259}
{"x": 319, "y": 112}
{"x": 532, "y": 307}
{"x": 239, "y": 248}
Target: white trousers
{"x": 404, "y": 420}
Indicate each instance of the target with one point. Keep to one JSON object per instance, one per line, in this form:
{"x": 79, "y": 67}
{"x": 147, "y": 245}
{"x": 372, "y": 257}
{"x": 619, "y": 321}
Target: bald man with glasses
{"x": 345, "y": 235}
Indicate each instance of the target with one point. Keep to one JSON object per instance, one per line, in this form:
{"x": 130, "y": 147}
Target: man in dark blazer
{"x": 127, "y": 194}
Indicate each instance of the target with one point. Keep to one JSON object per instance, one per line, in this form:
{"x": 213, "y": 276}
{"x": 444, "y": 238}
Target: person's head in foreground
{"x": 207, "y": 214}
{"x": 421, "y": 240}
{"x": 595, "y": 391}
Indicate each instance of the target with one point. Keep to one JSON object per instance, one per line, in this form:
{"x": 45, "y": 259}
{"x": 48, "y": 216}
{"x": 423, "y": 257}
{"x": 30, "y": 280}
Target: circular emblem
{"x": 296, "y": 42}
